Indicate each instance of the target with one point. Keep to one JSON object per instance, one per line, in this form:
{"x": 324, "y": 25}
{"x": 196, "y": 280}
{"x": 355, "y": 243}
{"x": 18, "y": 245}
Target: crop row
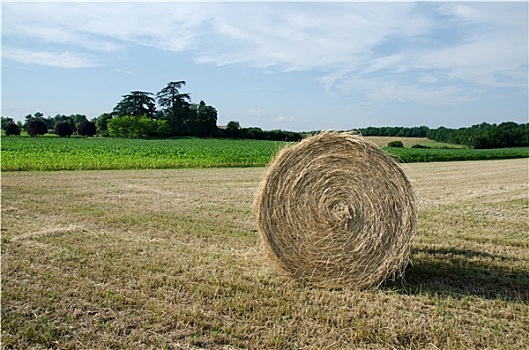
{"x": 414, "y": 155}
{"x": 48, "y": 153}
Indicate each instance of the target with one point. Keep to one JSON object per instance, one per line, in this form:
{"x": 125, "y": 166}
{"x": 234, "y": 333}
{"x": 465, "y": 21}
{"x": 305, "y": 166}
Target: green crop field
{"x": 53, "y": 153}
{"x": 412, "y": 155}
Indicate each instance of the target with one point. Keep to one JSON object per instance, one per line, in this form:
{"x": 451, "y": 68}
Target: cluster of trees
{"x": 234, "y": 130}
{"x": 61, "y": 125}
{"x": 416, "y": 131}
{"x": 137, "y": 115}
{"x": 484, "y": 135}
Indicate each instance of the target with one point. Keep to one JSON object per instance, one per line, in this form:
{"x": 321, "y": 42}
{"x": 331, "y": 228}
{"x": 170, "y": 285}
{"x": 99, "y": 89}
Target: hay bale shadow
{"x": 457, "y": 272}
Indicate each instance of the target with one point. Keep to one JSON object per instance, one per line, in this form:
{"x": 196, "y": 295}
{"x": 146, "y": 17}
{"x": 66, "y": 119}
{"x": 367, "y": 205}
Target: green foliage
{"x": 36, "y": 127}
{"x": 130, "y": 126}
{"x": 174, "y": 106}
{"x": 73, "y": 120}
{"x": 233, "y": 127}
{"x": 122, "y": 126}
{"x": 417, "y": 131}
{"x": 4, "y": 121}
{"x": 202, "y": 120}
{"x": 484, "y": 135}
{"x": 182, "y": 118}
{"x": 50, "y": 122}
{"x": 398, "y": 144}
{"x": 63, "y": 129}
{"x": 137, "y": 103}
{"x": 11, "y": 129}
{"x": 412, "y": 155}
{"x": 86, "y": 128}
{"x": 234, "y": 130}
{"x": 39, "y": 116}
{"x": 101, "y": 124}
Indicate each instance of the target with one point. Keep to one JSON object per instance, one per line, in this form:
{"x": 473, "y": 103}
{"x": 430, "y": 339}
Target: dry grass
{"x": 383, "y": 141}
{"x": 335, "y": 210}
{"x": 169, "y": 259}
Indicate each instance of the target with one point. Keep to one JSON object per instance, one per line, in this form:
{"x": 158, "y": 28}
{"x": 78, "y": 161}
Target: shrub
{"x": 396, "y": 144}
{"x": 36, "y": 127}
{"x": 418, "y": 145}
{"x": 86, "y": 128}
{"x": 63, "y": 129}
{"x": 11, "y": 129}
{"x": 130, "y": 126}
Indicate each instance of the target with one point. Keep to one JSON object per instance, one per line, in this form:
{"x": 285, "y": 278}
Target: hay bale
{"x": 335, "y": 210}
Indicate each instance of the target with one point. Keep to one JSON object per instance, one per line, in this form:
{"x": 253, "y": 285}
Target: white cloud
{"x": 124, "y": 71}
{"x": 63, "y": 59}
{"x": 293, "y": 36}
{"x": 266, "y": 116}
{"x": 427, "y": 79}
{"x": 305, "y": 36}
{"x": 257, "y": 112}
{"x": 384, "y": 49}
{"x": 284, "y": 119}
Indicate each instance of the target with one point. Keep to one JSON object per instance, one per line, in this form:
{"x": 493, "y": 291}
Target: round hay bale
{"x": 335, "y": 210}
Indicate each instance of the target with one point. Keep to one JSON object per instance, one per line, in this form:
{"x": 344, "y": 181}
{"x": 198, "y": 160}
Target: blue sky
{"x": 294, "y": 66}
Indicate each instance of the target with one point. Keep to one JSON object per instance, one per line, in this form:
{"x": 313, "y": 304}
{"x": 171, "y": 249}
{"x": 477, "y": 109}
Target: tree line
{"x": 484, "y": 135}
{"x": 137, "y": 115}
{"x": 171, "y": 113}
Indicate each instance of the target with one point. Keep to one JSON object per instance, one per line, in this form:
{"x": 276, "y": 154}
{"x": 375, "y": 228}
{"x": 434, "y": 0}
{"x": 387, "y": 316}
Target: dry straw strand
{"x": 335, "y": 210}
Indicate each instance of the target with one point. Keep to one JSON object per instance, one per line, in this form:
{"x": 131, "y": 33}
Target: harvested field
{"x": 383, "y": 141}
{"x": 170, "y": 259}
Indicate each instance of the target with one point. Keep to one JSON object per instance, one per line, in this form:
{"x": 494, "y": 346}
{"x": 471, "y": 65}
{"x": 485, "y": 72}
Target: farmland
{"x": 412, "y": 155}
{"x": 53, "y": 153}
{"x": 169, "y": 259}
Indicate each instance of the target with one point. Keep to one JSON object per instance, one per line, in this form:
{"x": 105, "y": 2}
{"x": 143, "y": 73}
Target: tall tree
{"x": 203, "y": 121}
{"x": 76, "y": 119}
{"x": 11, "y": 129}
{"x": 101, "y": 124}
{"x": 233, "y": 129}
{"x": 86, "y": 128}
{"x": 175, "y": 105}
{"x": 63, "y": 129}
{"x": 6, "y": 120}
{"x": 36, "y": 127}
{"x": 137, "y": 104}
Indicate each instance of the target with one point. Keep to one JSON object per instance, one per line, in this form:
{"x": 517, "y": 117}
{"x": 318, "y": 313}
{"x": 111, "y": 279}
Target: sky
{"x": 296, "y": 66}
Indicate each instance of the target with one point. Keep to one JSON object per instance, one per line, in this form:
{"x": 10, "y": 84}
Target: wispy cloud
{"x": 124, "y": 71}
{"x": 284, "y": 119}
{"x": 387, "y": 50}
{"x": 257, "y": 112}
{"x": 62, "y": 59}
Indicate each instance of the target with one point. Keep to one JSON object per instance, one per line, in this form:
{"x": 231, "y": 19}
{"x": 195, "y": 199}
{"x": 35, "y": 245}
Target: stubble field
{"x": 170, "y": 259}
